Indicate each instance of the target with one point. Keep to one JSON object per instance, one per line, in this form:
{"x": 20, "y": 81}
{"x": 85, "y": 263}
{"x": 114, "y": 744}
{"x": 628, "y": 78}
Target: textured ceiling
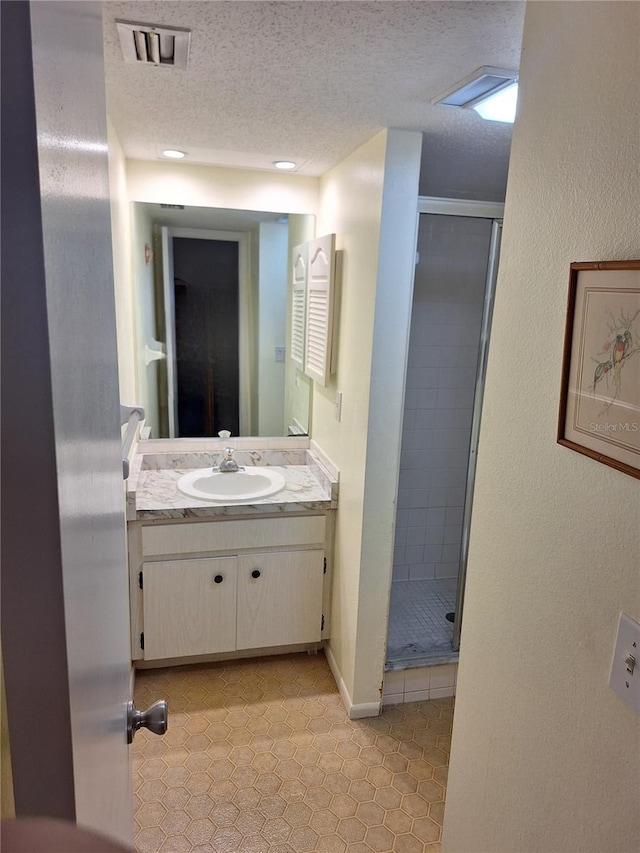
{"x": 308, "y": 80}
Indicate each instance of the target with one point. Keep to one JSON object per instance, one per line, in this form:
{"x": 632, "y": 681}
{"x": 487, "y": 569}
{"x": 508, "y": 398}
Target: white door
{"x": 168, "y": 308}
{"x": 75, "y": 287}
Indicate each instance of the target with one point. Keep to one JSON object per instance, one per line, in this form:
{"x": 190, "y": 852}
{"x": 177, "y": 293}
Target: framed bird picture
{"x": 600, "y": 394}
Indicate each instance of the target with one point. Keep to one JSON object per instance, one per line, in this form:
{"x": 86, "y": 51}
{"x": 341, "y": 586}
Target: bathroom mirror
{"x": 212, "y": 321}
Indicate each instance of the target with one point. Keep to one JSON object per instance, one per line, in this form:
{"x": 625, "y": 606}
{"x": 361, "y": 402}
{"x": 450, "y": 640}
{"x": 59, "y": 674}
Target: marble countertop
{"x": 152, "y": 493}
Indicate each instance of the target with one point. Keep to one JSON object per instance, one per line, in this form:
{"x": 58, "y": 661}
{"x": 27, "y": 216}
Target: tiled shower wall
{"x": 443, "y": 351}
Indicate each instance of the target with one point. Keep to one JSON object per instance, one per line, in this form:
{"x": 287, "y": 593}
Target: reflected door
{"x": 206, "y": 336}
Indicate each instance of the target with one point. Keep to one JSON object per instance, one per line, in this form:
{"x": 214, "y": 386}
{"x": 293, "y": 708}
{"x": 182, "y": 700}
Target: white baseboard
{"x": 365, "y": 709}
{"x": 355, "y": 712}
{"x": 333, "y": 666}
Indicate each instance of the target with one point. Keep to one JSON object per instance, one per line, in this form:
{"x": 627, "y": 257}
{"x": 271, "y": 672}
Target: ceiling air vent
{"x": 150, "y": 44}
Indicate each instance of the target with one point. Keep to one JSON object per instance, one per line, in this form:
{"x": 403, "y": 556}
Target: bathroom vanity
{"x": 212, "y": 580}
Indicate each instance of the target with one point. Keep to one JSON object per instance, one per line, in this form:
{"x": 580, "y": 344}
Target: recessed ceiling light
{"x": 484, "y": 87}
{"x": 174, "y": 154}
{"x": 284, "y": 164}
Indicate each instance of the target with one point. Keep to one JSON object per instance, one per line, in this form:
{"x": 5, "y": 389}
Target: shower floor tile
{"x": 417, "y": 624}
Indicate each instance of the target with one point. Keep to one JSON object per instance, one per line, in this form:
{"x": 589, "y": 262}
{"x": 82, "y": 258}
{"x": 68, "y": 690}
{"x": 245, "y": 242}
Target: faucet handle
{"x": 228, "y": 463}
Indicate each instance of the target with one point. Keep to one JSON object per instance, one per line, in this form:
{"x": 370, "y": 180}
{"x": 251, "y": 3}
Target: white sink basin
{"x": 208, "y": 485}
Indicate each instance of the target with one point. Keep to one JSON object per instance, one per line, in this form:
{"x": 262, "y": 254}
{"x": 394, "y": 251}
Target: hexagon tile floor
{"x": 260, "y": 756}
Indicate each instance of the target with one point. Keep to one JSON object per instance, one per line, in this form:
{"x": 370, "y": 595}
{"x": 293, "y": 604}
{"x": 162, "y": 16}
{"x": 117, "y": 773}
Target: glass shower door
{"x": 453, "y": 291}
{"x": 481, "y": 373}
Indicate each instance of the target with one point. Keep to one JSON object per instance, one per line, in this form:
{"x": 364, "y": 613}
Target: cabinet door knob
{"x": 255, "y": 573}
{"x": 218, "y": 579}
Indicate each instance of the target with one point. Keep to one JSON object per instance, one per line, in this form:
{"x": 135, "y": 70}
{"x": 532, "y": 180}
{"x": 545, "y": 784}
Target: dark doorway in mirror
{"x": 207, "y": 328}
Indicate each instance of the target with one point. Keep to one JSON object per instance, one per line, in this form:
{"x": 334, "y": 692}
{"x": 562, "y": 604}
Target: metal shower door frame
{"x": 493, "y": 211}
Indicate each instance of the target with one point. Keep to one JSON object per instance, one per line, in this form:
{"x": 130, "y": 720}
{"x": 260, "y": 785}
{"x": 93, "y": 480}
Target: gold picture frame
{"x": 600, "y": 393}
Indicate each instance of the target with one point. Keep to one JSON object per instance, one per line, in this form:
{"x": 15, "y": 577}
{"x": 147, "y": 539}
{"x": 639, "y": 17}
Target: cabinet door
{"x": 279, "y": 598}
{"x": 299, "y": 255}
{"x": 189, "y": 607}
{"x": 319, "y": 308}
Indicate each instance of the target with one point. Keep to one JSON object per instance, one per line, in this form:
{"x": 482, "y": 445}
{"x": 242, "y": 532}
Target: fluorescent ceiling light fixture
{"x": 484, "y": 84}
{"x": 284, "y": 164}
{"x": 501, "y": 106}
{"x": 174, "y": 154}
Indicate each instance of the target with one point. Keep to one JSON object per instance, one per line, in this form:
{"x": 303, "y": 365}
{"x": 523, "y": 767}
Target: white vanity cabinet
{"x": 228, "y": 586}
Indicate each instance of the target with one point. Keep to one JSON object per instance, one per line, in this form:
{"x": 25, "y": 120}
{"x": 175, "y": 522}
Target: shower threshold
{"x": 419, "y": 632}
{"x": 421, "y": 660}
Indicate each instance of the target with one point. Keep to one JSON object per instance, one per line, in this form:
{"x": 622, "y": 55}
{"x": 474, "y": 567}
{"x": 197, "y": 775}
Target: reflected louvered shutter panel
{"x": 320, "y": 287}
{"x": 298, "y": 303}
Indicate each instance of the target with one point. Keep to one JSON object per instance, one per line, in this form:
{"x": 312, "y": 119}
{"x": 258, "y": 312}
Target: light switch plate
{"x": 280, "y": 353}
{"x": 625, "y": 683}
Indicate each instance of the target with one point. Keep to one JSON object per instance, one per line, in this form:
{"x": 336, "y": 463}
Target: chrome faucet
{"x": 228, "y": 464}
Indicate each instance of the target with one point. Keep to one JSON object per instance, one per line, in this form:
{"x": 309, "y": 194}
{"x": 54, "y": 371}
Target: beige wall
{"x": 350, "y": 206}
{"x": 213, "y": 186}
{"x": 352, "y": 197}
{"x": 272, "y": 314}
{"x": 143, "y": 283}
{"x": 121, "y": 236}
{"x": 545, "y": 756}
{"x": 394, "y": 291}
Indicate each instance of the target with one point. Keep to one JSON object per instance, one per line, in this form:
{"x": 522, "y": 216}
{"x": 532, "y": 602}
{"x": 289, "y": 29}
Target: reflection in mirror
{"x": 212, "y": 321}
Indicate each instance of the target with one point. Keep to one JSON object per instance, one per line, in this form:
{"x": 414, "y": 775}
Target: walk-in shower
{"x": 456, "y": 266}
